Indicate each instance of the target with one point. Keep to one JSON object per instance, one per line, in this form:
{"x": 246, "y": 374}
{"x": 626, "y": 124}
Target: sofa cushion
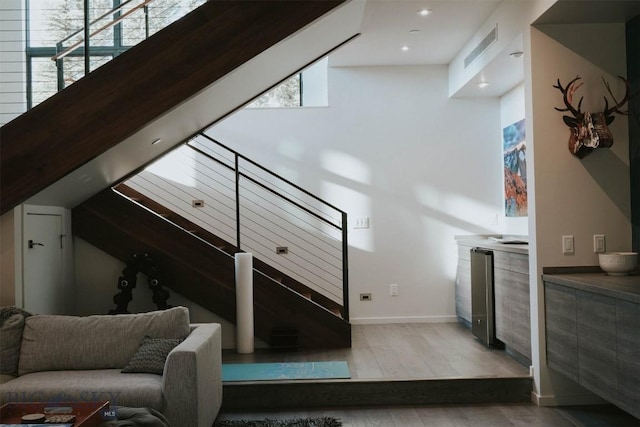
{"x": 51, "y": 342}
{"x": 10, "y": 337}
{"x": 135, "y": 390}
{"x": 151, "y": 355}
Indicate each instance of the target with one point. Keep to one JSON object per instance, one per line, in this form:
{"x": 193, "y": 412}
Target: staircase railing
{"x": 110, "y": 34}
{"x": 234, "y": 197}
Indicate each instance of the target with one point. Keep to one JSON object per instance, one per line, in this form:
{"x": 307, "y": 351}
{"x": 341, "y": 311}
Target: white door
{"x": 44, "y": 289}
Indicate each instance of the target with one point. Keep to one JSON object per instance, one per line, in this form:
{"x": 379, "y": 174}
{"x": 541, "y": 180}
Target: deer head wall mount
{"x": 589, "y": 130}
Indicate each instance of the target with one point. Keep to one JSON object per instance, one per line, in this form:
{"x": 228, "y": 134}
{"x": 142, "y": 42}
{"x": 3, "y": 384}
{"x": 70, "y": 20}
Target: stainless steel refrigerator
{"x": 482, "y": 309}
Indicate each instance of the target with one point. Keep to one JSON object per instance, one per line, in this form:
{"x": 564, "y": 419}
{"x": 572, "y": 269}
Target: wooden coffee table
{"x": 88, "y": 414}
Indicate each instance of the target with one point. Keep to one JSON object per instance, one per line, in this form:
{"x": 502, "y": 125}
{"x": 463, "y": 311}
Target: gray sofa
{"x": 73, "y": 358}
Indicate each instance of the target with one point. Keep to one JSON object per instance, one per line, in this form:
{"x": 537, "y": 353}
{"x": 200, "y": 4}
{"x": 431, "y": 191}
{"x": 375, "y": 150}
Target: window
{"x": 305, "y": 89}
{"x": 55, "y": 25}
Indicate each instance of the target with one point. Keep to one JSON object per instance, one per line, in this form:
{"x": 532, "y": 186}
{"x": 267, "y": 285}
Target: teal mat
{"x": 284, "y": 371}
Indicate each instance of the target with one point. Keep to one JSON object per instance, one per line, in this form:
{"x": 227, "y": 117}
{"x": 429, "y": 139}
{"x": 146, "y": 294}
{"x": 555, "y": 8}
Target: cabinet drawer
{"x": 518, "y": 263}
{"x": 596, "y": 317}
{"x": 628, "y": 346}
{"x": 561, "y": 329}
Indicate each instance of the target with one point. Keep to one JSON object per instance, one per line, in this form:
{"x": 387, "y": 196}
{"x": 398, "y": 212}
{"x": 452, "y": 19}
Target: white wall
{"x": 12, "y": 61}
{"x": 392, "y": 147}
{"x": 572, "y": 196}
{"x": 511, "y": 111}
{"x": 97, "y": 276}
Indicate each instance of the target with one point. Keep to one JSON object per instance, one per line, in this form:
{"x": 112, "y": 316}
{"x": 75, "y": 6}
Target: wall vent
{"x": 482, "y": 46}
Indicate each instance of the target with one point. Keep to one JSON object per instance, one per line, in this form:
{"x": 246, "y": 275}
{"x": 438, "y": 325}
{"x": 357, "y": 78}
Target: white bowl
{"x": 618, "y": 263}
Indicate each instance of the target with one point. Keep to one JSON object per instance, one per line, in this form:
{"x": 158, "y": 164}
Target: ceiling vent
{"x": 482, "y": 46}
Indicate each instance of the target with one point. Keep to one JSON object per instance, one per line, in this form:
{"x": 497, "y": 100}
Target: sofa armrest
{"x": 192, "y": 379}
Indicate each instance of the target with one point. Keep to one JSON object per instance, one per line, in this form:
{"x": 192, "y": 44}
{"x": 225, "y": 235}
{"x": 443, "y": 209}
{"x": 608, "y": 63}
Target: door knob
{"x": 32, "y": 244}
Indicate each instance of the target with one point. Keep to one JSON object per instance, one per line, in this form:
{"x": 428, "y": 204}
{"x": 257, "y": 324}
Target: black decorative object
{"x": 139, "y": 263}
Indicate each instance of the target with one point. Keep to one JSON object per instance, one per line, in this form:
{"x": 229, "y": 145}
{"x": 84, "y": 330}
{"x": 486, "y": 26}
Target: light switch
{"x": 567, "y": 245}
{"x": 598, "y": 243}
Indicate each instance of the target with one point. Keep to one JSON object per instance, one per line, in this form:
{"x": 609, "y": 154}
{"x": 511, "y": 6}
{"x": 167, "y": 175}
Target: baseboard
{"x": 410, "y": 319}
{"x": 567, "y": 399}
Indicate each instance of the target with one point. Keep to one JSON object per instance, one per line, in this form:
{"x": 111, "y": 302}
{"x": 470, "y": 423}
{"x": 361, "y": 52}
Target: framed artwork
{"x": 515, "y": 169}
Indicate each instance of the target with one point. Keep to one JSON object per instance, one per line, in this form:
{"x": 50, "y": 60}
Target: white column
{"x": 244, "y": 302}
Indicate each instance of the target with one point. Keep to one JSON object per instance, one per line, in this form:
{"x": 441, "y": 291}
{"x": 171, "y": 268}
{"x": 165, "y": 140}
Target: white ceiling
{"x": 387, "y": 24}
{"x": 441, "y": 35}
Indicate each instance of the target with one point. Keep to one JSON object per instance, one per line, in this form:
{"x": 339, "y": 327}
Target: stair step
{"x": 304, "y": 394}
{"x": 284, "y": 339}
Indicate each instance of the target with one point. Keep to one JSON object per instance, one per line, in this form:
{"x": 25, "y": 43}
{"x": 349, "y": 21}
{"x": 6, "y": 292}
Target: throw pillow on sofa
{"x": 11, "y": 327}
{"x": 151, "y": 355}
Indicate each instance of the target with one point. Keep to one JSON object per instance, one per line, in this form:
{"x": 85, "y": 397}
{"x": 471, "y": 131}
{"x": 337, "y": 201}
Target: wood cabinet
{"x": 463, "y": 284}
{"x": 628, "y": 355}
{"x": 511, "y": 294}
{"x": 562, "y": 329}
{"x": 593, "y": 339}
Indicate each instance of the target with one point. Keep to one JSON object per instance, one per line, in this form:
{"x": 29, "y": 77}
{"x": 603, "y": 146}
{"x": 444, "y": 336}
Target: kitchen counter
{"x": 591, "y": 326}
{"x": 621, "y": 287}
{"x": 487, "y": 243}
{"x": 510, "y": 290}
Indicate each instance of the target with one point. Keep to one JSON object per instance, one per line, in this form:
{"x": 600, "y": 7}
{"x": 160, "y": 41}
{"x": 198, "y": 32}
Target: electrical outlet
{"x": 197, "y": 203}
{"x": 599, "y": 245}
{"x": 365, "y": 297}
{"x": 567, "y": 245}
{"x": 361, "y": 222}
{"x": 393, "y": 290}
{"x": 282, "y": 250}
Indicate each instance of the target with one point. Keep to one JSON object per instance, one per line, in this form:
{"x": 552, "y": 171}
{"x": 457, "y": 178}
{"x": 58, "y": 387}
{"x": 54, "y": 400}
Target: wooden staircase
{"x": 200, "y": 266}
{"x": 229, "y": 248}
{"x": 107, "y": 114}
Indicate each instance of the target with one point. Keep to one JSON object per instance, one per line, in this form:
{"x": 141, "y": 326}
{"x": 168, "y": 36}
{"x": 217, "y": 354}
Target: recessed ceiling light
{"x": 424, "y": 12}
{"x": 482, "y": 84}
{"x": 156, "y": 141}
{"x": 516, "y": 54}
{"x": 405, "y": 48}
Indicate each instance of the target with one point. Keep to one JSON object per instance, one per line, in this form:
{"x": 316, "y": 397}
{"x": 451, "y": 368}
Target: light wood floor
{"x": 423, "y": 351}
{"x": 405, "y": 351}
{"x": 517, "y": 415}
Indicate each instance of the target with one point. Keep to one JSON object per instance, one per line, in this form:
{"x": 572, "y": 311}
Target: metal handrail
{"x": 266, "y": 188}
{"x": 104, "y": 15}
{"x": 238, "y": 174}
{"x": 275, "y": 175}
{"x": 120, "y": 18}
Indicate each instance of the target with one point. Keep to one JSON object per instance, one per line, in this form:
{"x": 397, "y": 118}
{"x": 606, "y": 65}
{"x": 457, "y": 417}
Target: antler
{"x": 616, "y": 108}
{"x": 567, "y": 94}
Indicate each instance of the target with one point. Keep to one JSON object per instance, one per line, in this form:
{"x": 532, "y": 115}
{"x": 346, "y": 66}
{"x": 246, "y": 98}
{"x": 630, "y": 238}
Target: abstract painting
{"x": 515, "y": 169}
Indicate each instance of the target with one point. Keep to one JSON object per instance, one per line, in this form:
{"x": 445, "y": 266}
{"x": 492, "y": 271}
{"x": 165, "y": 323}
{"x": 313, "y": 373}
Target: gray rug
{"x": 299, "y": 422}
